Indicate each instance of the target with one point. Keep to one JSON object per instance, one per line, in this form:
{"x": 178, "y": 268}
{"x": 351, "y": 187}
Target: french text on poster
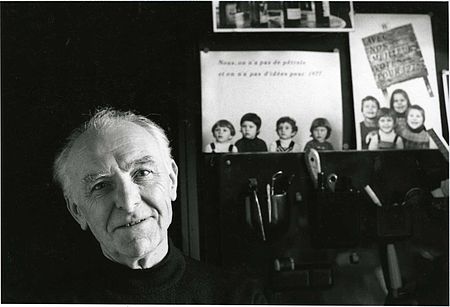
{"x": 272, "y": 84}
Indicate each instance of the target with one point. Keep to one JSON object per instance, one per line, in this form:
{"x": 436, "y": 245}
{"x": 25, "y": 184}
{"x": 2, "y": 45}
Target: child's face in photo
{"x": 249, "y": 130}
{"x": 285, "y": 131}
{"x": 222, "y": 134}
{"x": 386, "y": 124}
{"x": 400, "y": 103}
{"x": 320, "y": 134}
{"x": 369, "y": 109}
{"x": 415, "y": 119}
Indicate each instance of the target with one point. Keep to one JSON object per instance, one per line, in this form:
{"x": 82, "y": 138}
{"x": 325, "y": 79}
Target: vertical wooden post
{"x": 188, "y": 190}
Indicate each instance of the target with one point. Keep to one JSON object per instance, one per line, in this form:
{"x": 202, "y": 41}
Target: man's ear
{"x": 173, "y": 175}
{"x": 76, "y": 213}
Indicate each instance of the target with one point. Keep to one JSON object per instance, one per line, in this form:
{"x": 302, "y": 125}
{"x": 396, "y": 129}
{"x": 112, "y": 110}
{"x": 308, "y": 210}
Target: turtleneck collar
{"x": 161, "y": 276}
{"x": 402, "y": 115}
{"x": 417, "y": 130}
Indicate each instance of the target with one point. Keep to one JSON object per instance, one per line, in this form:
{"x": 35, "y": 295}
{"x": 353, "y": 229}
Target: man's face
{"x": 249, "y": 129}
{"x": 122, "y": 186}
{"x": 369, "y": 109}
{"x": 222, "y": 134}
{"x": 320, "y": 134}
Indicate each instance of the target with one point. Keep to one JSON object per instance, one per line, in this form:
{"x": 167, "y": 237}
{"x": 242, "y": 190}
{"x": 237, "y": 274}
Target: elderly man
{"x": 118, "y": 180}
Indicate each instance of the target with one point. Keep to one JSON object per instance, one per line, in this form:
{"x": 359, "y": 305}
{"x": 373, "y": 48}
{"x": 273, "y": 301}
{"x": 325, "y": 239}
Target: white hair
{"x": 105, "y": 118}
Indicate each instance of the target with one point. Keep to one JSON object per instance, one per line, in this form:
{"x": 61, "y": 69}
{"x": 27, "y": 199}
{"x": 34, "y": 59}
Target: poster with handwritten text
{"x": 393, "y": 62}
{"x": 272, "y": 84}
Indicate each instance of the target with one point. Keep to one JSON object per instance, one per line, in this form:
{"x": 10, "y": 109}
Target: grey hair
{"x": 105, "y": 118}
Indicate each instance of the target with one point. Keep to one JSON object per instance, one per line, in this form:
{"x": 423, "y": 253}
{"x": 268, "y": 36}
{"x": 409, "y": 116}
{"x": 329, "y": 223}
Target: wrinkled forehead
{"x": 120, "y": 144}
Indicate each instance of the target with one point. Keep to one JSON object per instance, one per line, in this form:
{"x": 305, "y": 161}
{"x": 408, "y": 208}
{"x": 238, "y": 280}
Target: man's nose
{"x": 128, "y": 196}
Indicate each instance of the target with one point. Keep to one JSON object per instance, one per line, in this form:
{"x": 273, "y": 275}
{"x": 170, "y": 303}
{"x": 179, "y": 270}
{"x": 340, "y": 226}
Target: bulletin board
{"x": 303, "y": 85}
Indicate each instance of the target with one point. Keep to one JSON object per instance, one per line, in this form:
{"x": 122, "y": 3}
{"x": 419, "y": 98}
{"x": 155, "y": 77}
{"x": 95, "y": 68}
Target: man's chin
{"x": 142, "y": 247}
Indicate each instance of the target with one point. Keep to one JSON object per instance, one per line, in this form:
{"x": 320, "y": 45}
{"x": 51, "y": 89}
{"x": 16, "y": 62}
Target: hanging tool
{"x": 395, "y": 277}
{"x": 274, "y": 178}
{"x": 253, "y": 184}
{"x": 274, "y": 206}
{"x": 373, "y": 196}
{"x": 313, "y": 164}
{"x": 269, "y": 202}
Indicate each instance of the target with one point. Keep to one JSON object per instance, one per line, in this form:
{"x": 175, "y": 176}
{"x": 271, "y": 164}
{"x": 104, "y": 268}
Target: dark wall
{"x": 61, "y": 60}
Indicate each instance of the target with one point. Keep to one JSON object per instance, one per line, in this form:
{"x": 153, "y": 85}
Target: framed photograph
{"x": 282, "y": 16}
{"x": 259, "y": 101}
{"x": 394, "y": 79}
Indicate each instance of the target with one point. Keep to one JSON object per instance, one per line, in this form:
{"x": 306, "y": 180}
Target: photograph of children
{"x": 223, "y": 132}
{"x": 250, "y": 127}
{"x": 400, "y": 103}
{"x": 320, "y": 133}
{"x": 279, "y": 16}
{"x": 394, "y": 72}
{"x": 369, "y": 108}
{"x": 286, "y": 129}
{"x": 385, "y": 137}
{"x": 415, "y": 135}
{"x": 272, "y": 97}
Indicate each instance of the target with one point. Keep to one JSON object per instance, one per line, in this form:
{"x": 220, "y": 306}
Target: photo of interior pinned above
{"x": 282, "y": 16}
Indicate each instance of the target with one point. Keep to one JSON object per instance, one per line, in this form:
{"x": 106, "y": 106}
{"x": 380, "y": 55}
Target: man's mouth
{"x": 132, "y": 223}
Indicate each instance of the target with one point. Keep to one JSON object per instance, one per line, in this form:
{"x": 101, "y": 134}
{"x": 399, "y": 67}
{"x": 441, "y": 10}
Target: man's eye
{"x": 141, "y": 173}
{"x": 99, "y": 186}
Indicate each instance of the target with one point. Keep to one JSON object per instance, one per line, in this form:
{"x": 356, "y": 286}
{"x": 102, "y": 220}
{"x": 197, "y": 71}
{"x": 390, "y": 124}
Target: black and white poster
{"x": 275, "y": 85}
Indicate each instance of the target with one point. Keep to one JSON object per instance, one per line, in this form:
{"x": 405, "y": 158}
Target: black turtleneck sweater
{"x": 177, "y": 279}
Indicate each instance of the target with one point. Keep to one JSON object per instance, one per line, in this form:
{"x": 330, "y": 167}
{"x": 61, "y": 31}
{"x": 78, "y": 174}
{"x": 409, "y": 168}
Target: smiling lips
{"x": 132, "y": 223}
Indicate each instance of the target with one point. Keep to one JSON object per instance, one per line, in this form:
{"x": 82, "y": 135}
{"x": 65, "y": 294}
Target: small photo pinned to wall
{"x": 271, "y": 101}
{"x": 282, "y": 16}
{"x": 395, "y": 91}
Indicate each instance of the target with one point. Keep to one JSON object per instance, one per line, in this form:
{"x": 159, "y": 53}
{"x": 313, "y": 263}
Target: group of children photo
{"x": 223, "y": 132}
{"x": 401, "y": 126}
